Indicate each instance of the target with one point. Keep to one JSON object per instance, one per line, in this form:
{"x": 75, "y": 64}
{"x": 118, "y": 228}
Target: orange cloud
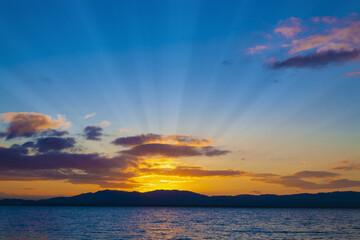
{"x": 289, "y": 27}
{"x": 346, "y": 38}
{"x": 355, "y": 73}
{"x": 25, "y": 124}
{"x": 103, "y": 124}
{"x": 256, "y": 49}
{"x": 326, "y": 19}
{"x": 90, "y": 115}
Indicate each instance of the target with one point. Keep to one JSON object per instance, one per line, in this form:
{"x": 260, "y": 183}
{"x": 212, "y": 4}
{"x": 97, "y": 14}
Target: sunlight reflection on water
{"x": 177, "y": 223}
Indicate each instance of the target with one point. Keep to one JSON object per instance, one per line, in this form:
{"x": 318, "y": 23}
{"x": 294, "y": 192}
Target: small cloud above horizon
{"x": 90, "y": 115}
{"x": 256, "y": 49}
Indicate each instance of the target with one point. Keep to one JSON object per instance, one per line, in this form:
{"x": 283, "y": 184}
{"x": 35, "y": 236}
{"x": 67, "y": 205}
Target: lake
{"x": 177, "y": 223}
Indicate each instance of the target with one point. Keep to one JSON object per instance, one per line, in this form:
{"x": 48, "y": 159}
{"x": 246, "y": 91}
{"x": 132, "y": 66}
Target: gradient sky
{"x": 216, "y": 97}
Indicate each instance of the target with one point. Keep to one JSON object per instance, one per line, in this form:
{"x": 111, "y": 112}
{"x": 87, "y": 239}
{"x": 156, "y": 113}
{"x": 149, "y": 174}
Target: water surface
{"x": 177, "y": 223}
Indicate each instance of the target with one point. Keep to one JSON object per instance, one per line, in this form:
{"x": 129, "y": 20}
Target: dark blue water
{"x": 177, "y": 223}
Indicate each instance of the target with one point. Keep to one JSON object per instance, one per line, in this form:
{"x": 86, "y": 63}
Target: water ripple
{"x": 177, "y": 223}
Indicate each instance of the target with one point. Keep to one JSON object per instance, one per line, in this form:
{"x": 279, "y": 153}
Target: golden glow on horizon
{"x": 156, "y": 182}
{"x": 190, "y": 168}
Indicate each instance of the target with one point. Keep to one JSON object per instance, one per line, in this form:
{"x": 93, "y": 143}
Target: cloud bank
{"x": 51, "y": 156}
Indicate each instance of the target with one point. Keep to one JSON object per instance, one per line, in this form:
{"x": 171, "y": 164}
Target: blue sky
{"x": 184, "y": 67}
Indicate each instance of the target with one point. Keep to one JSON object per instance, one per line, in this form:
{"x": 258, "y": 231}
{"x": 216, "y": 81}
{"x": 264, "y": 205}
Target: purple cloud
{"x": 137, "y": 140}
{"x": 93, "y": 133}
{"x": 168, "y": 150}
{"x": 16, "y": 165}
{"x": 318, "y": 59}
{"x": 54, "y": 144}
{"x": 157, "y": 138}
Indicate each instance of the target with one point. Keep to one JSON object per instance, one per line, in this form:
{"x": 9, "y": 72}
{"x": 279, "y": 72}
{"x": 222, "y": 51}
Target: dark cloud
{"x": 157, "y": 138}
{"x": 137, "y": 140}
{"x": 53, "y": 133}
{"x": 318, "y": 59}
{"x": 93, "y": 133}
{"x": 192, "y": 171}
{"x": 29, "y": 124}
{"x": 23, "y": 149}
{"x": 168, "y": 150}
{"x": 16, "y": 165}
{"x": 47, "y": 133}
{"x": 14, "y": 158}
{"x": 46, "y": 144}
{"x": 54, "y": 144}
{"x": 28, "y": 145}
{"x": 211, "y": 151}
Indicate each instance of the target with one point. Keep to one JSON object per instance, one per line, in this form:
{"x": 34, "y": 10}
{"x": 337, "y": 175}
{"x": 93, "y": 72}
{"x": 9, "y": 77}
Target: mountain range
{"x": 175, "y": 198}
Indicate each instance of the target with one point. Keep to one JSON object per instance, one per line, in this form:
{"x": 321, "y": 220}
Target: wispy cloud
{"x": 256, "y": 49}
{"x": 169, "y": 150}
{"x": 347, "y": 166}
{"x": 103, "y": 124}
{"x": 122, "y": 130}
{"x": 289, "y": 27}
{"x": 90, "y": 115}
{"x": 325, "y": 19}
{"x": 303, "y": 180}
{"x": 353, "y": 74}
{"x": 166, "y": 139}
{"x": 318, "y": 59}
{"x": 192, "y": 171}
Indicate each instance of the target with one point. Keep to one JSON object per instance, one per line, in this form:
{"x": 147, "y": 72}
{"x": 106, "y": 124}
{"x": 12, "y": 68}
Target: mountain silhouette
{"x": 175, "y": 198}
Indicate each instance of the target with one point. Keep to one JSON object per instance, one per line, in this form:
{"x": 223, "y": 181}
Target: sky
{"x": 215, "y": 97}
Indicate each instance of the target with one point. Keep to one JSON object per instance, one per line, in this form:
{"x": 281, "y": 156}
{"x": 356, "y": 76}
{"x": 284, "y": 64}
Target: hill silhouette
{"x": 175, "y": 198}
